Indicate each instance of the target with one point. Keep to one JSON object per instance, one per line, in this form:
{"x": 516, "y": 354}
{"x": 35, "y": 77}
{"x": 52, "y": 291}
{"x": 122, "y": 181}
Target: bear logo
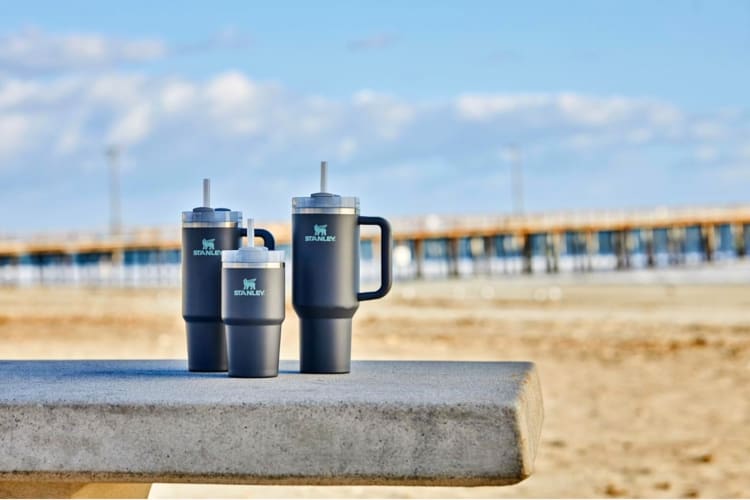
{"x": 208, "y": 244}
{"x": 249, "y": 284}
{"x": 320, "y": 229}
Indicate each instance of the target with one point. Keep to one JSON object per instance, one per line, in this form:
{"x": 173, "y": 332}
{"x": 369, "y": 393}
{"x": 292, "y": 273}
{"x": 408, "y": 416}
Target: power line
{"x": 516, "y": 178}
{"x": 115, "y": 215}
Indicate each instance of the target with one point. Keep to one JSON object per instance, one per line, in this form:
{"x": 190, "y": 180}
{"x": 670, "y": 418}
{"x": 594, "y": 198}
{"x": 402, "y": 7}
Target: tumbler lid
{"x": 324, "y": 201}
{"x": 208, "y": 215}
{"x": 250, "y": 254}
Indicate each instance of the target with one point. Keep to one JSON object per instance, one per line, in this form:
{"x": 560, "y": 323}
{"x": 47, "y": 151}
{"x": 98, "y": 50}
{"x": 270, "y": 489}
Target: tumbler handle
{"x": 386, "y": 249}
{"x": 268, "y": 240}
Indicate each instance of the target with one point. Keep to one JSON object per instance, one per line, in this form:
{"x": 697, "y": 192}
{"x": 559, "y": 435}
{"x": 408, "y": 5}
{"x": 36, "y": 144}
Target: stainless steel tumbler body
{"x": 253, "y": 309}
{"x": 205, "y": 233}
{"x": 325, "y": 276}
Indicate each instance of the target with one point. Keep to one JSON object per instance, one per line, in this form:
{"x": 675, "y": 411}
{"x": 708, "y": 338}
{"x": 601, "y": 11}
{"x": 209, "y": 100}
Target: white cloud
{"x": 389, "y": 115}
{"x": 176, "y": 128}
{"x": 69, "y": 141}
{"x": 483, "y": 107}
{"x": 114, "y": 90}
{"x": 14, "y": 132}
{"x": 594, "y": 111}
{"x": 34, "y": 50}
{"x": 177, "y": 96}
{"x": 567, "y": 108}
{"x": 640, "y": 135}
{"x": 346, "y": 148}
{"x": 581, "y": 142}
{"x": 132, "y": 127}
{"x": 231, "y": 107}
{"x": 15, "y": 92}
{"x": 706, "y": 153}
{"x": 230, "y": 91}
{"x": 708, "y": 129}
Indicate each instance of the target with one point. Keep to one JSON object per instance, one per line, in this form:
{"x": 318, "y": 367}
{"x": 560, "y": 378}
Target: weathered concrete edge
{"x": 505, "y": 473}
{"x": 523, "y": 419}
{"x": 175, "y": 477}
{"x": 530, "y": 414}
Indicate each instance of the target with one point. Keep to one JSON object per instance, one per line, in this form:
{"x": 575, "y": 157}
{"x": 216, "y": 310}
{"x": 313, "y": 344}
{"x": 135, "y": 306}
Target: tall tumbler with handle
{"x": 252, "y": 308}
{"x": 206, "y": 232}
{"x": 325, "y": 275}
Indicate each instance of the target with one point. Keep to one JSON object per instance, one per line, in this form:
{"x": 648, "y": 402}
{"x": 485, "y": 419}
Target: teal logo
{"x": 249, "y": 289}
{"x": 208, "y": 248}
{"x": 321, "y": 234}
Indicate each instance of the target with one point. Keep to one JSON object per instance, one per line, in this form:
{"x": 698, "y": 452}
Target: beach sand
{"x": 646, "y": 387}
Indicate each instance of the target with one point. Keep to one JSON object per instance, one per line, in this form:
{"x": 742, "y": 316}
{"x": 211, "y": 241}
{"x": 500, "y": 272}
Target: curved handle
{"x": 386, "y": 249}
{"x": 268, "y": 240}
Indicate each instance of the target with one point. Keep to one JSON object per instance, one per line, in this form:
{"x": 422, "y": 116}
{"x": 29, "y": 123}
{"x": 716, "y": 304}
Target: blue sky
{"x": 613, "y": 105}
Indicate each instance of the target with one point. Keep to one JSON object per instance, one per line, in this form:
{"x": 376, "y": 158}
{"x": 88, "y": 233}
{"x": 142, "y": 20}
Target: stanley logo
{"x": 321, "y": 234}
{"x": 208, "y": 249}
{"x": 249, "y": 289}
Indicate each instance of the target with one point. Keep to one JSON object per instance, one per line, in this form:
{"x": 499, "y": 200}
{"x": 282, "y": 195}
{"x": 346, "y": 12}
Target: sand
{"x": 646, "y": 387}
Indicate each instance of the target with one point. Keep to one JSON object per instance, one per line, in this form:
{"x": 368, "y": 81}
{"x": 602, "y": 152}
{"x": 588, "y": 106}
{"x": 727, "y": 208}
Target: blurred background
{"x": 567, "y": 182}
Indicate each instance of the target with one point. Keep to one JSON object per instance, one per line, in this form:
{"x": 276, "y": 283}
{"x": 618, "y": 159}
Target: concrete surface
{"x": 421, "y": 423}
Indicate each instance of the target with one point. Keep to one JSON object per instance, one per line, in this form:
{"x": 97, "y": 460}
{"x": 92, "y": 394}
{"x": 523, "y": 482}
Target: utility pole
{"x": 516, "y": 177}
{"x": 115, "y": 218}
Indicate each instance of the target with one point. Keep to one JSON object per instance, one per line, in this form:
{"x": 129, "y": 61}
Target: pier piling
{"x": 740, "y": 240}
{"x": 708, "y": 239}
{"x": 526, "y": 253}
{"x": 419, "y": 256}
{"x": 453, "y": 254}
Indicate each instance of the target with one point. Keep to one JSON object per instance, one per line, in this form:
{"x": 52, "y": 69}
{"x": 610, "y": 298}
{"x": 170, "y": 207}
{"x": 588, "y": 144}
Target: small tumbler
{"x": 252, "y": 308}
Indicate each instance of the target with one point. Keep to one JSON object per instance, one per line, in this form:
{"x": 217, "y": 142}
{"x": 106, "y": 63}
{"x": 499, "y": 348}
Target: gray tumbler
{"x": 205, "y": 233}
{"x": 252, "y": 308}
{"x": 325, "y": 275}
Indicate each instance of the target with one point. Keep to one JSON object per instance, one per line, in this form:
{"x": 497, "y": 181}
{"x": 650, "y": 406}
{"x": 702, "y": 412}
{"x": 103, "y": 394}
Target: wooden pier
{"x": 533, "y": 243}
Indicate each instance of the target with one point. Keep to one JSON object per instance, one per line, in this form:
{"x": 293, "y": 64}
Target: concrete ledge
{"x": 418, "y": 423}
